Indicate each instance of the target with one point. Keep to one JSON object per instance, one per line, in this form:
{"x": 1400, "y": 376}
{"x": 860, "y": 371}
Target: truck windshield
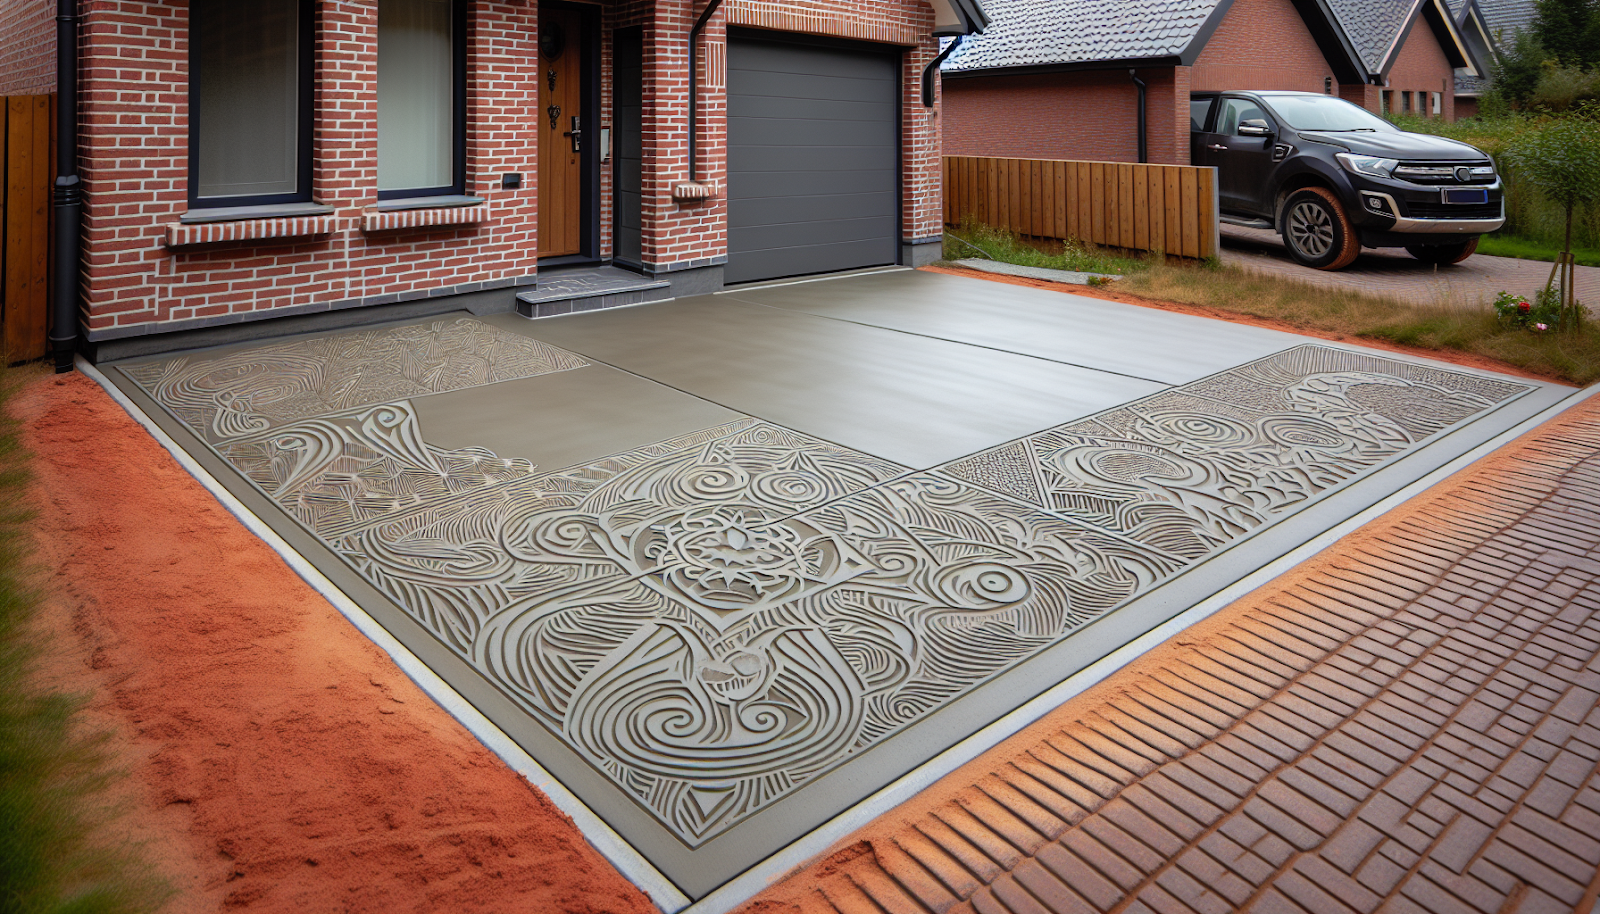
{"x": 1334, "y": 115}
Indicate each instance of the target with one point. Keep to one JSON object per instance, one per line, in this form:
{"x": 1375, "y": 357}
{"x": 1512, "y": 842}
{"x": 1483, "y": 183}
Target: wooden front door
{"x": 560, "y": 142}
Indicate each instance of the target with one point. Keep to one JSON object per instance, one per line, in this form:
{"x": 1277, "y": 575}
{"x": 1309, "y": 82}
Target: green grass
{"x": 1572, "y": 357}
{"x": 1528, "y": 249}
{"x": 1007, "y": 247}
{"x": 56, "y": 855}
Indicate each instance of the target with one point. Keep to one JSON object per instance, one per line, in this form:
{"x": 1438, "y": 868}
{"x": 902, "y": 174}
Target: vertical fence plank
{"x": 1156, "y": 180}
{"x": 1085, "y": 201}
{"x": 1190, "y": 192}
{"x": 25, "y": 174}
{"x": 1125, "y": 217}
{"x": 1206, "y": 213}
{"x": 1173, "y": 195}
{"x": 1097, "y": 202}
{"x": 1141, "y": 211}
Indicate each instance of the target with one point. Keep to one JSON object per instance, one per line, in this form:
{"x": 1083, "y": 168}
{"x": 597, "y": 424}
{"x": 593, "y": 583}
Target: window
{"x": 1405, "y": 102}
{"x": 421, "y": 98}
{"x": 249, "y": 102}
{"x": 1199, "y": 108}
{"x": 1438, "y": 104}
{"x": 1236, "y": 111}
{"x": 1388, "y": 101}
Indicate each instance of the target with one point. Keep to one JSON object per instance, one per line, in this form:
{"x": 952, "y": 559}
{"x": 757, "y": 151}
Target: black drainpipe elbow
{"x": 1144, "y": 147}
{"x": 694, "y": 89}
{"x": 68, "y": 193}
{"x": 933, "y": 67}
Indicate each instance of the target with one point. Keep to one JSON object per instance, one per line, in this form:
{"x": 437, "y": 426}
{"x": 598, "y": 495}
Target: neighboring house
{"x": 1472, "y": 83}
{"x": 1488, "y": 27}
{"x": 1061, "y": 78}
{"x": 347, "y": 161}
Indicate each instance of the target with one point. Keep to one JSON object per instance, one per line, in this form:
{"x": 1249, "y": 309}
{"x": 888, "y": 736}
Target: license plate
{"x": 1475, "y": 195}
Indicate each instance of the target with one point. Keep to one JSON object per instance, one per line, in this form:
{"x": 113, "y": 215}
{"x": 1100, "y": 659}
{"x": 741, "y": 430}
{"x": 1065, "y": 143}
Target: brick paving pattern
{"x": 1391, "y": 271}
{"x": 1409, "y": 724}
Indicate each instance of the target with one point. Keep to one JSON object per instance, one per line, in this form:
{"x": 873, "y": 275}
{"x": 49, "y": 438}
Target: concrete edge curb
{"x": 617, "y": 851}
{"x": 797, "y": 854}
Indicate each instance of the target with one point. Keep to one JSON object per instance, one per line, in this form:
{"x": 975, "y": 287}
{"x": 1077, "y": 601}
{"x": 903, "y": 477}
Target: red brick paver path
{"x": 1408, "y": 723}
{"x": 1473, "y": 283}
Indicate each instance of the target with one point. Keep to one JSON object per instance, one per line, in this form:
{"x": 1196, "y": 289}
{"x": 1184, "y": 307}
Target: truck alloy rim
{"x": 1310, "y": 229}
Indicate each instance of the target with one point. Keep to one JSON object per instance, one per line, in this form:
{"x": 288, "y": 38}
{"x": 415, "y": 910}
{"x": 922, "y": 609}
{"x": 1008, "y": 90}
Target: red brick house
{"x": 253, "y": 167}
{"x": 1063, "y": 79}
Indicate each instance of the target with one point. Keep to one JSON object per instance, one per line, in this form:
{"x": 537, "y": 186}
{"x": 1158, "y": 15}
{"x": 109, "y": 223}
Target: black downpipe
{"x": 694, "y": 89}
{"x": 68, "y": 196}
{"x": 1144, "y": 148}
{"x": 927, "y": 73}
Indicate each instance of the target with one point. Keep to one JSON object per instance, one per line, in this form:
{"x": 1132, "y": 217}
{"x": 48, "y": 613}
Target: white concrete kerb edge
{"x": 612, "y": 846}
{"x": 774, "y": 868}
{"x": 628, "y": 860}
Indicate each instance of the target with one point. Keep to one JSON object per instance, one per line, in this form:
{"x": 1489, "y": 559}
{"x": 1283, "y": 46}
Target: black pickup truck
{"x": 1331, "y": 178}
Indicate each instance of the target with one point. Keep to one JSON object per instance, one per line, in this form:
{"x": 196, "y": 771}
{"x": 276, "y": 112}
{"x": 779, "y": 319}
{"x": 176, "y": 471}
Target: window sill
{"x": 201, "y": 216}
{"x": 180, "y": 235}
{"x": 375, "y": 220}
{"x": 388, "y": 206}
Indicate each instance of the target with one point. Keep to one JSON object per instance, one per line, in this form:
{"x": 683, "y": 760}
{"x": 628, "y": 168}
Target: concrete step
{"x": 575, "y": 289}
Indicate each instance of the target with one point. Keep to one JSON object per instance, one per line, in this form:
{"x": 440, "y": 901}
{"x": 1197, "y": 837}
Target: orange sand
{"x": 279, "y": 760}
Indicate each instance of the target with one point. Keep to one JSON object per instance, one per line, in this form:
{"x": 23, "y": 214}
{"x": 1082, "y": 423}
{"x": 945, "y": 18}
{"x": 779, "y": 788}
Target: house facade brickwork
{"x": 1422, "y": 70}
{"x": 1262, "y": 44}
{"x": 27, "y": 47}
{"x": 151, "y": 267}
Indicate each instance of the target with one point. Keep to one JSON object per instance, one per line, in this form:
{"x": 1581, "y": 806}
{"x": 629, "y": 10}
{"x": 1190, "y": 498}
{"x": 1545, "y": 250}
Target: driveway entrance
{"x": 727, "y": 566}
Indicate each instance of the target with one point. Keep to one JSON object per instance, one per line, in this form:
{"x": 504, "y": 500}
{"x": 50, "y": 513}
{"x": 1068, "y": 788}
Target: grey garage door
{"x": 813, "y": 158}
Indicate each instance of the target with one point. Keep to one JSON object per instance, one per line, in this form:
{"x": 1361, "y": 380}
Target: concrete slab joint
{"x": 721, "y": 635}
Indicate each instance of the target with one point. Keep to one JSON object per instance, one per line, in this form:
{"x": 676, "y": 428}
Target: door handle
{"x": 577, "y": 135}
{"x": 1217, "y": 146}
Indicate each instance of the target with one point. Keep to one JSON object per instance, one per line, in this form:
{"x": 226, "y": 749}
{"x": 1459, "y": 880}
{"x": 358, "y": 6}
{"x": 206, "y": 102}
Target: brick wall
{"x": 27, "y": 47}
{"x": 135, "y": 135}
{"x": 1421, "y": 66}
{"x": 135, "y": 82}
{"x": 1261, "y": 44}
{"x": 1088, "y": 116}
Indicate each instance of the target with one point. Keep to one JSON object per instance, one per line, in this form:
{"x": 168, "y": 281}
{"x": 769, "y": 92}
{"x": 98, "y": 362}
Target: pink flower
{"x": 1541, "y": 327}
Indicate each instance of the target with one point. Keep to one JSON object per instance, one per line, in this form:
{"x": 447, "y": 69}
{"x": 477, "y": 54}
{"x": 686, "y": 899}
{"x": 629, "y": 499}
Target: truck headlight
{"x": 1371, "y": 166}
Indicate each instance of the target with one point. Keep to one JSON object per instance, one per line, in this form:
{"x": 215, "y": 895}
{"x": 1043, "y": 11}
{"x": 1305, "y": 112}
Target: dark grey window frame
{"x": 307, "y": 60}
{"x": 461, "y": 18}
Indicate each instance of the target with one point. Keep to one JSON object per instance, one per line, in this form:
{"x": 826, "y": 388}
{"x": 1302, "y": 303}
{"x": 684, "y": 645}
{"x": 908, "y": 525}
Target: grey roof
{"x": 1025, "y": 33}
{"x": 1506, "y": 17}
{"x": 1373, "y": 26}
{"x": 1470, "y": 85}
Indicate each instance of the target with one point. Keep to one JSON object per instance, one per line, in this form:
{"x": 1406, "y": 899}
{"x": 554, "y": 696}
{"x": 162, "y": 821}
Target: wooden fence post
{"x": 26, "y": 175}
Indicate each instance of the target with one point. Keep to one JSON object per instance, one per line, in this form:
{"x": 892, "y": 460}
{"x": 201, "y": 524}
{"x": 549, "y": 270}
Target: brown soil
{"x": 280, "y": 761}
{"x": 1454, "y": 357}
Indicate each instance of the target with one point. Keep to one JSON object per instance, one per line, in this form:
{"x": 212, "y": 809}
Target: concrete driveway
{"x": 1473, "y": 283}
{"x": 729, "y": 566}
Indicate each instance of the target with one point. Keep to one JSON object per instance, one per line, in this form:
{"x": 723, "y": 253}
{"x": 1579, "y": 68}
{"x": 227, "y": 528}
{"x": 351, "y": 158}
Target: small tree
{"x": 1562, "y": 159}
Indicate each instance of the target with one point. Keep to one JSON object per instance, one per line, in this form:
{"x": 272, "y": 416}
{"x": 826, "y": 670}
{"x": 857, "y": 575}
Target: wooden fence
{"x": 27, "y": 171}
{"x": 1170, "y": 208}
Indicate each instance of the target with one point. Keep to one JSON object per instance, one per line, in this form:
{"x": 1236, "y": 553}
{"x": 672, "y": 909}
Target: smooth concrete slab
{"x": 560, "y": 420}
{"x": 1146, "y": 343}
{"x": 911, "y": 399}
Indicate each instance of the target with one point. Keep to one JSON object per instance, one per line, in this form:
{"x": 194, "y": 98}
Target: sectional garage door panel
{"x": 813, "y": 159}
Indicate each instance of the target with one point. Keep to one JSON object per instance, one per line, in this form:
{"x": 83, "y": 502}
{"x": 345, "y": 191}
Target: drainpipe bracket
{"x": 694, "y": 191}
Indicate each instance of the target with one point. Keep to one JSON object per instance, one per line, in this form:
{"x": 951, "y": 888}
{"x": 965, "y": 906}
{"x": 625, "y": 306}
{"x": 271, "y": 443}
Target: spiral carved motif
{"x": 715, "y": 621}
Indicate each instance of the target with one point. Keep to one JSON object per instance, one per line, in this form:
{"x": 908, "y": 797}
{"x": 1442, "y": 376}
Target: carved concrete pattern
{"x": 717, "y": 620}
{"x": 256, "y": 389}
{"x": 1193, "y": 469}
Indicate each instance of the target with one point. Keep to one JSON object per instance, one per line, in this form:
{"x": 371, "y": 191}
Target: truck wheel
{"x": 1444, "y": 253}
{"x": 1316, "y": 230}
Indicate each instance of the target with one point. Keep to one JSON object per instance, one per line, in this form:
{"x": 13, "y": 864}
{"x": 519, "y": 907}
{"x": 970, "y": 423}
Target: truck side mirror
{"x": 1254, "y": 127}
